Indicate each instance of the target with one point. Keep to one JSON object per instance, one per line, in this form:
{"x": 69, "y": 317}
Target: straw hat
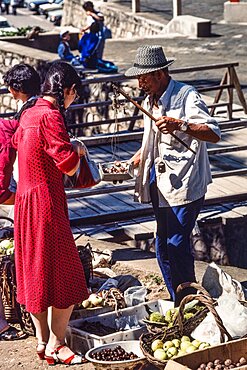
{"x": 149, "y": 58}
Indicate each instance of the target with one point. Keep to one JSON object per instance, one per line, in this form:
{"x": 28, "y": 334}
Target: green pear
{"x": 196, "y": 343}
{"x": 160, "y": 354}
{"x": 168, "y": 344}
{"x": 172, "y": 351}
{"x": 176, "y": 343}
{"x": 185, "y": 338}
{"x": 156, "y": 344}
{"x": 191, "y": 349}
{"x": 185, "y": 345}
{"x": 204, "y": 345}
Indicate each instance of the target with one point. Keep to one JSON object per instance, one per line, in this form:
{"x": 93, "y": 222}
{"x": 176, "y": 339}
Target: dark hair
{"x": 23, "y": 78}
{"x": 59, "y": 76}
{"x": 88, "y": 5}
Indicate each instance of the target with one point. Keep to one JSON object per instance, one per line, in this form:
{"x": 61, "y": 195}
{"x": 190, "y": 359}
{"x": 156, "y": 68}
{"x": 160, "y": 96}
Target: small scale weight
{"x": 161, "y": 167}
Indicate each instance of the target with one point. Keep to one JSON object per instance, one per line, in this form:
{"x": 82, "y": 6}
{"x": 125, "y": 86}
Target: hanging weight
{"x": 161, "y": 167}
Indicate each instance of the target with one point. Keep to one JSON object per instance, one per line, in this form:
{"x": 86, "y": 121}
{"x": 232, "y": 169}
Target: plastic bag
{"x": 207, "y": 331}
{"x": 216, "y": 282}
{"x": 233, "y": 315}
{"x": 135, "y": 295}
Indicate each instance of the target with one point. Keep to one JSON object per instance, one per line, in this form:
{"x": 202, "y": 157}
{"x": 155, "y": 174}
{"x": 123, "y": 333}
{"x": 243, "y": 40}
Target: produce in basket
{"x": 176, "y": 339}
{"x": 164, "y": 350}
{"x": 156, "y": 321}
{"x": 7, "y": 247}
{"x": 94, "y": 300}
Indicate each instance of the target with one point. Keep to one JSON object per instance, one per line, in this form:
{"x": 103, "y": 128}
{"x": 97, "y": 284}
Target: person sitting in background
{"x": 94, "y": 16}
{"x": 64, "y": 51}
{"x": 88, "y": 47}
{"x": 34, "y": 33}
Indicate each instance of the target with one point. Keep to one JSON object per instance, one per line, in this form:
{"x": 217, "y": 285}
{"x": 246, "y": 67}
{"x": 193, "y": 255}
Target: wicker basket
{"x": 157, "y": 327}
{"x": 86, "y": 257}
{"x": 181, "y": 328}
{"x": 14, "y": 312}
{"x": 8, "y": 288}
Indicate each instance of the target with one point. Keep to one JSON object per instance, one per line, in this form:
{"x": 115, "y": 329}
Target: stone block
{"x": 235, "y": 12}
{"x": 190, "y": 26}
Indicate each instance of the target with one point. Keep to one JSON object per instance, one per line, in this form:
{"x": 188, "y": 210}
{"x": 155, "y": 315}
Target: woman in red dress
{"x": 50, "y": 275}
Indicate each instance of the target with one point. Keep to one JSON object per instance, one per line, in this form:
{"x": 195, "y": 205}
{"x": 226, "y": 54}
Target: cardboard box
{"x": 234, "y": 350}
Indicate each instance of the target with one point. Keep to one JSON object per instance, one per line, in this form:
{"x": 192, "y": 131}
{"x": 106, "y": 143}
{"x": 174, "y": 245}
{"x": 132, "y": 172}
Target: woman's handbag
{"x": 87, "y": 175}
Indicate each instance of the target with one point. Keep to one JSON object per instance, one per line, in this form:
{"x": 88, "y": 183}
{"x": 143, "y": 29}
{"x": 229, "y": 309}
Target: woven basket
{"x": 8, "y": 288}
{"x": 157, "y": 327}
{"x": 14, "y": 312}
{"x": 86, "y": 257}
{"x": 181, "y": 328}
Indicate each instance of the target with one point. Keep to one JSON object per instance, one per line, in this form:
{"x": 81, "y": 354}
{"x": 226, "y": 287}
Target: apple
{"x": 160, "y": 354}
{"x": 156, "y": 344}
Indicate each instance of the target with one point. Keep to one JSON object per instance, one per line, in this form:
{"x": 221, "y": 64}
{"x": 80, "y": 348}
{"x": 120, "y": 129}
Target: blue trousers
{"x": 173, "y": 249}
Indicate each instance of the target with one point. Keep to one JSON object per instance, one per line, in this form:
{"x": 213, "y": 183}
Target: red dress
{"x": 49, "y": 271}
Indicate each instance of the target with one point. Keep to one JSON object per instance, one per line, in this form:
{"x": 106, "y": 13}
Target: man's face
{"x": 149, "y": 82}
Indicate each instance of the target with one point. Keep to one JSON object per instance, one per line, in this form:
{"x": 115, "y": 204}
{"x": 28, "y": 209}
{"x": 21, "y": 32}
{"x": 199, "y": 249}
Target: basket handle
{"x": 209, "y": 303}
{"x": 193, "y": 285}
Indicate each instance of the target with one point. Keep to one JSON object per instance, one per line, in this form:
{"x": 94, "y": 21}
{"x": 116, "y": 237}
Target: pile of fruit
{"x": 116, "y": 168}
{"x": 222, "y": 365}
{"x": 116, "y": 354}
{"x": 7, "y": 247}
{"x": 165, "y": 350}
{"x": 94, "y": 300}
{"x": 170, "y": 316}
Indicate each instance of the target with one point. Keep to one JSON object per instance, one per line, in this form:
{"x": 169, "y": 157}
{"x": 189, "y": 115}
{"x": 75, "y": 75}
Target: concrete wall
{"x": 235, "y": 12}
{"x": 121, "y": 23}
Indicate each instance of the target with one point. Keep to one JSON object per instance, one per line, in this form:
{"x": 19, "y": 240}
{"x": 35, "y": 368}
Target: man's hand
{"x": 168, "y": 124}
{"x": 135, "y": 160}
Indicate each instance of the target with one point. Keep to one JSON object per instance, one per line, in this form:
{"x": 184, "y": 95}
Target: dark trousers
{"x": 173, "y": 249}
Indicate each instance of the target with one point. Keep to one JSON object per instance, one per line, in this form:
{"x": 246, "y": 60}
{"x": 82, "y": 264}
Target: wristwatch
{"x": 184, "y": 126}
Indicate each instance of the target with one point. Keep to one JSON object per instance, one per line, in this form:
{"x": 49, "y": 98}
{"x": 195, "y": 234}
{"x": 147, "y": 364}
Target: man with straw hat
{"x": 173, "y": 176}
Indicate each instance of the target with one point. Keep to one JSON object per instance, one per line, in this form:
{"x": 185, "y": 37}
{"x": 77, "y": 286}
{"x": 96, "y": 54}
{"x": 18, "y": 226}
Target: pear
{"x": 176, "y": 343}
{"x": 168, "y": 344}
{"x": 191, "y": 349}
{"x": 184, "y": 345}
{"x": 160, "y": 354}
{"x": 185, "y": 338}
{"x": 156, "y": 344}
{"x": 172, "y": 351}
{"x": 196, "y": 343}
{"x": 204, "y": 345}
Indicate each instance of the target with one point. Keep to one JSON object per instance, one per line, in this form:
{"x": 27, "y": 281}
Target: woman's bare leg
{"x": 58, "y": 322}
{"x": 41, "y": 327}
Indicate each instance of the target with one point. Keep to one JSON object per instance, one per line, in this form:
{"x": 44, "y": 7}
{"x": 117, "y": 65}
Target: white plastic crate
{"x": 89, "y": 312}
{"x": 81, "y": 341}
